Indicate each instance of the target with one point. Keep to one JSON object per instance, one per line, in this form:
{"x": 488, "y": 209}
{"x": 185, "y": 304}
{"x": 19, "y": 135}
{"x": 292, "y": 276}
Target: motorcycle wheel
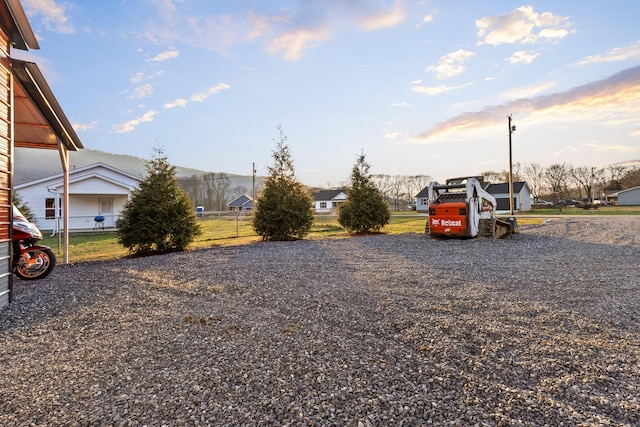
{"x": 45, "y": 261}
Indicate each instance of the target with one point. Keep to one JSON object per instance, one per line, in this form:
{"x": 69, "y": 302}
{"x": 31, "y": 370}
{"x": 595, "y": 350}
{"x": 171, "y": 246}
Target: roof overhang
{"x": 39, "y": 121}
{"x": 17, "y": 26}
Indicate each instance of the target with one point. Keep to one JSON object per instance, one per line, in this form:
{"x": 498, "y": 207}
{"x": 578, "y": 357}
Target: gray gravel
{"x": 541, "y": 329}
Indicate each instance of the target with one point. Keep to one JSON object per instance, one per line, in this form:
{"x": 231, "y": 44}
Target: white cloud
{"x": 132, "y": 124}
{"x": 200, "y": 97}
{"x": 293, "y": 44}
{"x": 84, "y": 126}
{"x": 522, "y": 56}
{"x": 393, "y": 135}
{"x": 464, "y": 104}
{"x": 522, "y": 25}
{"x": 53, "y": 15}
{"x": 614, "y": 55}
{"x": 137, "y": 77}
{"x": 180, "y": 102}
{"x": 615, "y": 148}
{"x": 594, "y": 102}
{"x": 384, "y": 19}
{"x": 142, "y": 92}
{"x": 262, "y": 26}
{"x": 527, "y": 92}
{"x": 436, "y": 90}
{"x": 450, "y": 65}
{"x": 400, "y": 104}
{"x": 289, "y": 33}
{"x": 165, "y": 56}
{"x": 425, "y": 20}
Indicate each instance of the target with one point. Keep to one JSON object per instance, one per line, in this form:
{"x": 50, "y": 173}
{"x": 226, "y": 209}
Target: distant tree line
{"x": 553, "y": 183}
{"x": 212, "y": 190}
{"x": 562, "y": 181}
{"x": 399, "y": 191}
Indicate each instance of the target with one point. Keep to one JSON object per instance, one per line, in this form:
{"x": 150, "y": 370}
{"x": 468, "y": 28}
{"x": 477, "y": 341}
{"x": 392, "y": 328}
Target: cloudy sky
{"x": 419, "y": 86}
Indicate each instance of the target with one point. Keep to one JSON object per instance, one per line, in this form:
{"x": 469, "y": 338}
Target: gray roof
{"x": 503, "y": 187}
{"x": 240, "y": 202}
{"x": 325, "y": 195}
{"x": 424, "y": 192}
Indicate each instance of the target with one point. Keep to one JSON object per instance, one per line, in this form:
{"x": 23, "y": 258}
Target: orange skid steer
{"x": 462, "y": 208}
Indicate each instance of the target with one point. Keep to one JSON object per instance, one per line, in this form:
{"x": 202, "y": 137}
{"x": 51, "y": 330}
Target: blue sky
{"x": 421, "y": 87}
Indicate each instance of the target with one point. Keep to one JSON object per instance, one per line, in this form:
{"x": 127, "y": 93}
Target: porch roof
{"x": 39, "y": 121}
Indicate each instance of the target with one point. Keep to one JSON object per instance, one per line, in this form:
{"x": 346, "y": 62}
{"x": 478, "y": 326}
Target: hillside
{"x": 31, "y": 164}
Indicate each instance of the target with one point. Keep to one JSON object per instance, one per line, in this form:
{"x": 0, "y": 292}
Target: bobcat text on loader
{"x": 462, "y": 208}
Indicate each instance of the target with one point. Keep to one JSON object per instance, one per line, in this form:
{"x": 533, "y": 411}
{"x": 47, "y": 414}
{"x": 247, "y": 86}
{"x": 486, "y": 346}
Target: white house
{"x": 521, "y": 197}
{"x": 243, "y": 203}
{"x": 326, "y": 201}
{"x": 422, "y": 200}
{"x": 629, "y": 197}
{"x": 97, "y": 195}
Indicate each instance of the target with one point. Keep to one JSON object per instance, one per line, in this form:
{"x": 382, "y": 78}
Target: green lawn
{"x": 216, "y": 231}
{"x": 229, "y": 231}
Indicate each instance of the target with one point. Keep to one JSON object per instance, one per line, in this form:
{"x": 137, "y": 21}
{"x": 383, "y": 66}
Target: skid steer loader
{"x": 462, "y": 208}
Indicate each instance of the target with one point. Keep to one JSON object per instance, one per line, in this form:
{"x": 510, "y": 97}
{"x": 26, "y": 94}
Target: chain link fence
{"x": 90, "y": 223}
{"x": 77, "y": 223}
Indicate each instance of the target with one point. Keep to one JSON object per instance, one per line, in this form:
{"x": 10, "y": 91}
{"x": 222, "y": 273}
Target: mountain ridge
{"x": 31, "y": 164}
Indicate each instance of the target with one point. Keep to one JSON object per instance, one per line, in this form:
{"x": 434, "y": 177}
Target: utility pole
{"x": 511, "y": 130}
{"x": 253, "y": 190}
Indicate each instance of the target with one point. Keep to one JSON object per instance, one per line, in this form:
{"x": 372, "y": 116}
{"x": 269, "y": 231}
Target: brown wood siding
{"x": 6, "y": 166}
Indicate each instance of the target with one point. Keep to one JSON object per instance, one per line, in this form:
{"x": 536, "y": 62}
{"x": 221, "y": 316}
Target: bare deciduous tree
{"x": 586, "y": 179}
{"x": 614, "y": 175}
{"x": 557, "y": 178}
{"x": 534, "y": 176}
{"x": 493, "y": 176}
{"x": 191, "y": 186}
{"x": 413, "y": 185}
{"x": 631, "y": 178}
{"x": 238, "y": 191}
{"x": 216, "y": 185}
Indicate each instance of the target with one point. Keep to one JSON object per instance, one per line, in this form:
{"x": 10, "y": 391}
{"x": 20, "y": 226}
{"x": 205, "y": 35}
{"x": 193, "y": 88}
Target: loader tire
{"x": 486, "y": 227}
{"x": 494, "y": 228}
{"x": 502, "y": 229}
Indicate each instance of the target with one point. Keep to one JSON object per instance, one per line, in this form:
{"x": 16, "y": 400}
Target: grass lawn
{"x": 227, "y": 231}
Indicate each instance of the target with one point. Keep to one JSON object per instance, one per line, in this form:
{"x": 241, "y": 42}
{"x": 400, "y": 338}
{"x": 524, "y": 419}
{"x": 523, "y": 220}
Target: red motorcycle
{"x": 30, "y": 261}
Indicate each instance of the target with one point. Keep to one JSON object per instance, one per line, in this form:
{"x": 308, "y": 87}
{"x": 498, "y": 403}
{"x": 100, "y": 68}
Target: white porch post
{"x": 64, "y": 158}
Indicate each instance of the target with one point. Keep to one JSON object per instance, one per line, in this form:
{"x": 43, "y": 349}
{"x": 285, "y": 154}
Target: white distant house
{"x": 422, "y": 200}
{"x": 521, "y": 197}
{"x": 97, "y": 195}
{"x": 326, "y": 201}
{"x": 243, "y": 203}
{"x": 629, "y": 197}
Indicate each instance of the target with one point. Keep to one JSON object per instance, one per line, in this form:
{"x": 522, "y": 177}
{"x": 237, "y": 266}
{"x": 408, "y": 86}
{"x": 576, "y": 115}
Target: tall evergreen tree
{"x": 364, "y": 210}
{"x": 159, "y": 217}
{"x": 284, "y": 209}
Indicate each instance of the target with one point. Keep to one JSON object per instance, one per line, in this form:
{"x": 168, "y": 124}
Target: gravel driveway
{"x": 543, "y": 328}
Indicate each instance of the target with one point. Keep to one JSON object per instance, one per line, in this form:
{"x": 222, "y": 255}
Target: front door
{"x": 105, "y": 209}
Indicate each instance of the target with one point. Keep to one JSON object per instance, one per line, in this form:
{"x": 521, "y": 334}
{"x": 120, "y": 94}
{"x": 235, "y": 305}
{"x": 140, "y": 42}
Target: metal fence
{"x": 91, "y": 223}
{"x": 79, "y": 224}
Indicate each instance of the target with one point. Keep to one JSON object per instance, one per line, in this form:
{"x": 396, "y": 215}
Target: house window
{"x": 424, "y": 202}
{"x": 50, "y": 208}
{"x": 323, "y": 205}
